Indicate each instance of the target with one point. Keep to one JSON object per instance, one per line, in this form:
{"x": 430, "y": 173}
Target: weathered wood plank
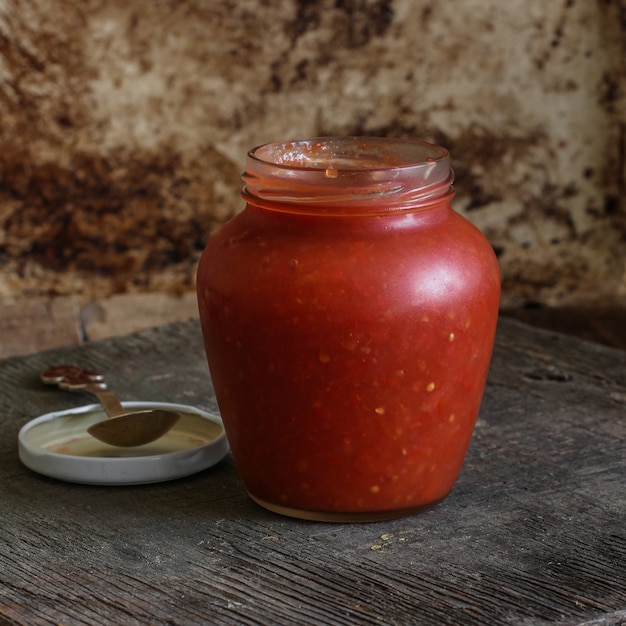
{"x": 38, "y": 324}
{"x": 602, "y": 324}
{"x": 122, "y": 314}
{"x": 533, "y": 532}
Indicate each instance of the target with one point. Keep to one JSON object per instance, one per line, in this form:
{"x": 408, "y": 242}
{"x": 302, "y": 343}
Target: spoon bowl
{"x": 135, "y": 428}
{"x": 122, "y": 429}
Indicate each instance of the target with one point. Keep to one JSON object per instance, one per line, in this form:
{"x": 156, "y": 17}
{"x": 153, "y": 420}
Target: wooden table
{"x": 533, "y": 533}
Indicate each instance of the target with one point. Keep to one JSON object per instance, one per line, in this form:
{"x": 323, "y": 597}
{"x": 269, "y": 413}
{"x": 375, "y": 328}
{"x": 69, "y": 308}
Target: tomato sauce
{"x": 349, "y": 345}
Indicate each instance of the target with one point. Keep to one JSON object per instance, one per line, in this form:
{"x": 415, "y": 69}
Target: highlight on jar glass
{"x": 348, "y": 314}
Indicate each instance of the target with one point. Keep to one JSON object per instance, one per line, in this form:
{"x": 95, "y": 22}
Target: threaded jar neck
{"x": 347, "y": 175}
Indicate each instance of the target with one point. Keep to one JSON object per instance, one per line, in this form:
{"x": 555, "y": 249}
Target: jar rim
{"x": 348, "y": 170}
{"x": 362, "y": 153}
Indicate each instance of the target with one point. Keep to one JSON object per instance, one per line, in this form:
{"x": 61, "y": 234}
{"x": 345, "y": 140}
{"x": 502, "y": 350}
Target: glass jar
{"x": 348, "y": 315}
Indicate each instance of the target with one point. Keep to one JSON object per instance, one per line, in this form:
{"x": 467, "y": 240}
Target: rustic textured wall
{"x": 124, "y": 127}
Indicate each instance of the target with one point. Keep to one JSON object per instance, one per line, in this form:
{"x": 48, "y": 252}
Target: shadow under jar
{"x": 348, "y": 315}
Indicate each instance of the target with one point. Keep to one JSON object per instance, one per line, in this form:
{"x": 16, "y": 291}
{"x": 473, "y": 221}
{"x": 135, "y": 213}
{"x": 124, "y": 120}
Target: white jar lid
{"x": 57, "y": 445}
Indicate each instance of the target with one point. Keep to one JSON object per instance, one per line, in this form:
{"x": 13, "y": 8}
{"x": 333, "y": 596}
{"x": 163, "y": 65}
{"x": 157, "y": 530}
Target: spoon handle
{"x": 73, "y": 378}
{"x": 108, "y": 400}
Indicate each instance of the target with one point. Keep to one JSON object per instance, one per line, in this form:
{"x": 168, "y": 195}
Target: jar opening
{"x": 349, "y": 153}
{"x": 374, "y": 172}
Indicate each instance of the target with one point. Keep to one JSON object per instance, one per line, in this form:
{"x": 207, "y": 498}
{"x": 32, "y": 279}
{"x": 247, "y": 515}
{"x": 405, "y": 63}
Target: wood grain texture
{"x": 35, "y": 324}
{"x": 533, "y": 533}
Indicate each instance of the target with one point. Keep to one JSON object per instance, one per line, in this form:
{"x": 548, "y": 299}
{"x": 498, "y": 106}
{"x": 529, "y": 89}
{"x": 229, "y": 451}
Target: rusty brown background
{"x": 124, "y": 127}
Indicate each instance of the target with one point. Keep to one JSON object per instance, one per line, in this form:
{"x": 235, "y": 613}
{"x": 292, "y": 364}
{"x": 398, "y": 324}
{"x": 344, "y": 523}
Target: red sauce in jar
{"x": 349, "y": 321}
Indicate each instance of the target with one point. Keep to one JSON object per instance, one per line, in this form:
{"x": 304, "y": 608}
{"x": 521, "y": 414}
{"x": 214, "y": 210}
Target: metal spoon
{"x": 122, "y": 429}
